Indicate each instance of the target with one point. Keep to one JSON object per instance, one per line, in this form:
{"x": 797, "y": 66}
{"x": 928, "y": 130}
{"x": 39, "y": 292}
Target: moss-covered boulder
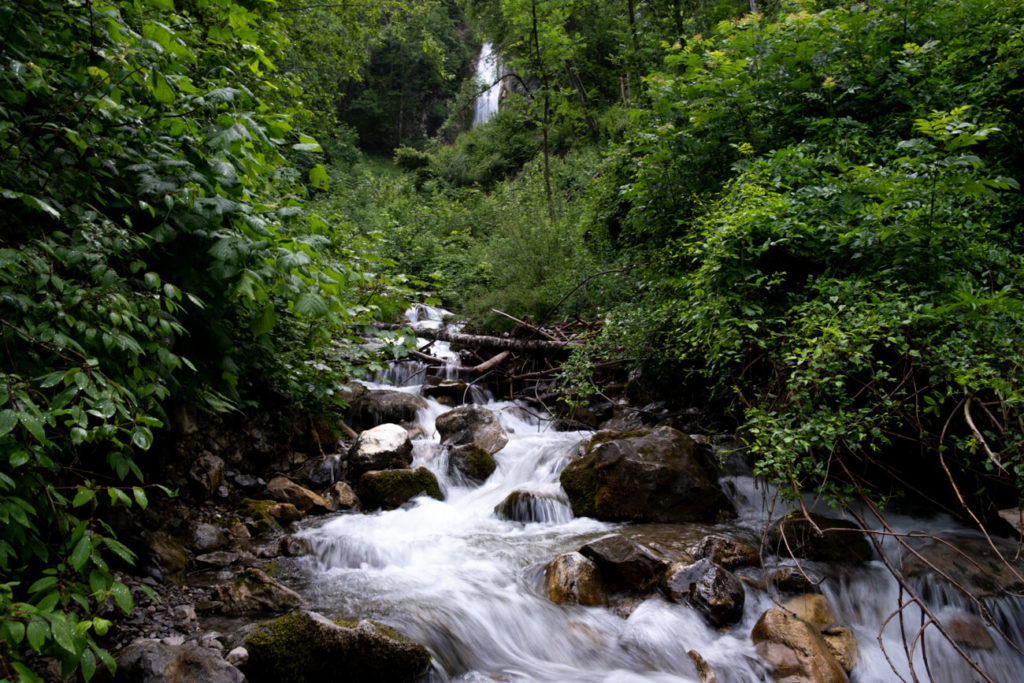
{"x": 471, "y": 462}
{"x": 534, "y": 506}
{"x": 389, "y": 489}
{"x": 820, "y": 538}
{"x": 648, "y": 475}
{"x": 306, "y": 647}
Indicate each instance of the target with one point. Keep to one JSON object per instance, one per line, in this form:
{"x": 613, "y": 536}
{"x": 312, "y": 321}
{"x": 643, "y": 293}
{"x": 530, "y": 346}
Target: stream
{"x": 468, "y": 585}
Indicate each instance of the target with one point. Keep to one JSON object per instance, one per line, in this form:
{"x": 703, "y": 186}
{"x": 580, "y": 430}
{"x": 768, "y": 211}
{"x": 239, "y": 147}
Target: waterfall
{"x": 487, "y": 71}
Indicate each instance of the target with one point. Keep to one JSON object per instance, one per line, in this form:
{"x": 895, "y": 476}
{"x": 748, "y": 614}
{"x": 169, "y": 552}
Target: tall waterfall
{"x": 487, "y": 71}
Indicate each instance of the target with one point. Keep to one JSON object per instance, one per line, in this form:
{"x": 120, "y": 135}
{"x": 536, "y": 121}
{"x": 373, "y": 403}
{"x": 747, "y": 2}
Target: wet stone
{"x": 625, "y": 563}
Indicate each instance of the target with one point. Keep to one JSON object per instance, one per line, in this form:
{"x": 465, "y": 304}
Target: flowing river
{"x": 468, "y": 585}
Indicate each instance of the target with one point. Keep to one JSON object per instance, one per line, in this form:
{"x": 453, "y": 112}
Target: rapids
{"x": 469, "y": 586}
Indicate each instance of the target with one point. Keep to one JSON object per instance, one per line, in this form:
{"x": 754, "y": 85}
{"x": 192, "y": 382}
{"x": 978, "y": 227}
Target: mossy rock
{"x": 389, "y": 489}
{"x": 648, "y": 475}
{"x": 472, "y": 462}
{"x": 306, "y": 647}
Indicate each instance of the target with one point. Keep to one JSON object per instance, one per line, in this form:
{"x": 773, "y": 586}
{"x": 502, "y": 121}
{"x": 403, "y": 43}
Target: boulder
{"x": 207, "y": 537}
{"x": 471, "y": 425}
{"x": 389, "y": 489}
{"x": 168, "y": 552}
{"x": 253, "y": 592}
{"x": 385, "y": 447}
{"x": 283, "y": 512}
{"x": 206, "y": 475}
{"x": 843, "y": 645}
{"x": 287, "y": 491}
{"x": 971, "y": 562}
{"x": 713, "y": 591}
{"x": 793, "y": 580}
{"x": 650, "y": 475}
{"x": 625, "y": 563}
{"x": 447, "y": 392}
{"x": 154, "y": 661}
{"x": 472, "y": 462}
{"x": 343, "y": 497}
{"x": 795, "y": 650}
{"x": 531, "y": 506}
{"x": 306, "y": 647}
{"x": 727, "y": 552}
{"x": 812, "y": 608}
{"x": 839, "y": 540}
{"x": 321, "y": 471}
{"x": 573, "y": 578}
{"x": 220, "y": 558}
{"x": 381, "y": 406}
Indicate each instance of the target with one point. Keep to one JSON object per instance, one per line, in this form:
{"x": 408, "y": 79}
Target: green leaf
{"x": 119, "y": 549}
{"x": 38, "y": 631}
{"x": 164, "y": 5}
{"x": 42, "y": 584}
{"x": 311, "y": 305}
{"x": 16, "y": 631}
{"x": 80, "y": 555}
{"x": 83, "y": 496}
{"x": 318, "y": 177}
{"x": 122, "y": 596}
{"x": 142, "y": 437}
{"x": 8, "y": 418}
{"x": 63, "y": 633}
{"x": 140, "y": 497}
{"x": 33, "y": 424}
{"x": 88, "y": 664}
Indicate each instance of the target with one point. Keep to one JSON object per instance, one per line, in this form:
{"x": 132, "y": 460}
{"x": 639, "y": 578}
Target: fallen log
{"x": 499, "y": 343}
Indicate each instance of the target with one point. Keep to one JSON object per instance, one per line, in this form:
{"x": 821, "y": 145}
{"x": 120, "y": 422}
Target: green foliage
{"x": 154, "y": 244}
{"x": 828, "y": 209}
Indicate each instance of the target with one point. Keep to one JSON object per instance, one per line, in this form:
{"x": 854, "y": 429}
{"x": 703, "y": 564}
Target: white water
{"x": 468, "y": 585}
{"x": 488, "y": 70}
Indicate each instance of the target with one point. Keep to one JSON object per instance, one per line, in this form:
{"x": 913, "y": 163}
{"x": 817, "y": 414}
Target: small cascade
{"x": 488, "y": 71}
{"x": 464, "y": 577}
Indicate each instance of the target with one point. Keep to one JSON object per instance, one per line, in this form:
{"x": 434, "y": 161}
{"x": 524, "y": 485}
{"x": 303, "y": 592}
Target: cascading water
{"x": 467, "y": 584}
{"x": 487, "y": 71}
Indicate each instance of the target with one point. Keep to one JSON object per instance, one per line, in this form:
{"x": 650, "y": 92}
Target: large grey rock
{"x": 207, "y": 537}
{"x": 253, "y": 592}
{"x": 389, "y": 489}
{"x": 625, "y": 563}
{"x": 385, "y": 447}
{"x": 471, "y": 425}
{"x": 650, "y": 475}
{"x": 820, "y": 538}
{"x": 382, "y": 406}
{"x": 287, "y": 491}
{"x": 575, "y": 579}
{"x": 306, "y": 647}
{"x": 206, "y": 475}
{"x": 713, "y": 591}
{"x": 795, "y": 650}
{"x": 153, "y": 661}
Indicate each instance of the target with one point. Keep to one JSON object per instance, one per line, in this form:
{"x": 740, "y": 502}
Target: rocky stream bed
{"x": 456, "y": 537}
